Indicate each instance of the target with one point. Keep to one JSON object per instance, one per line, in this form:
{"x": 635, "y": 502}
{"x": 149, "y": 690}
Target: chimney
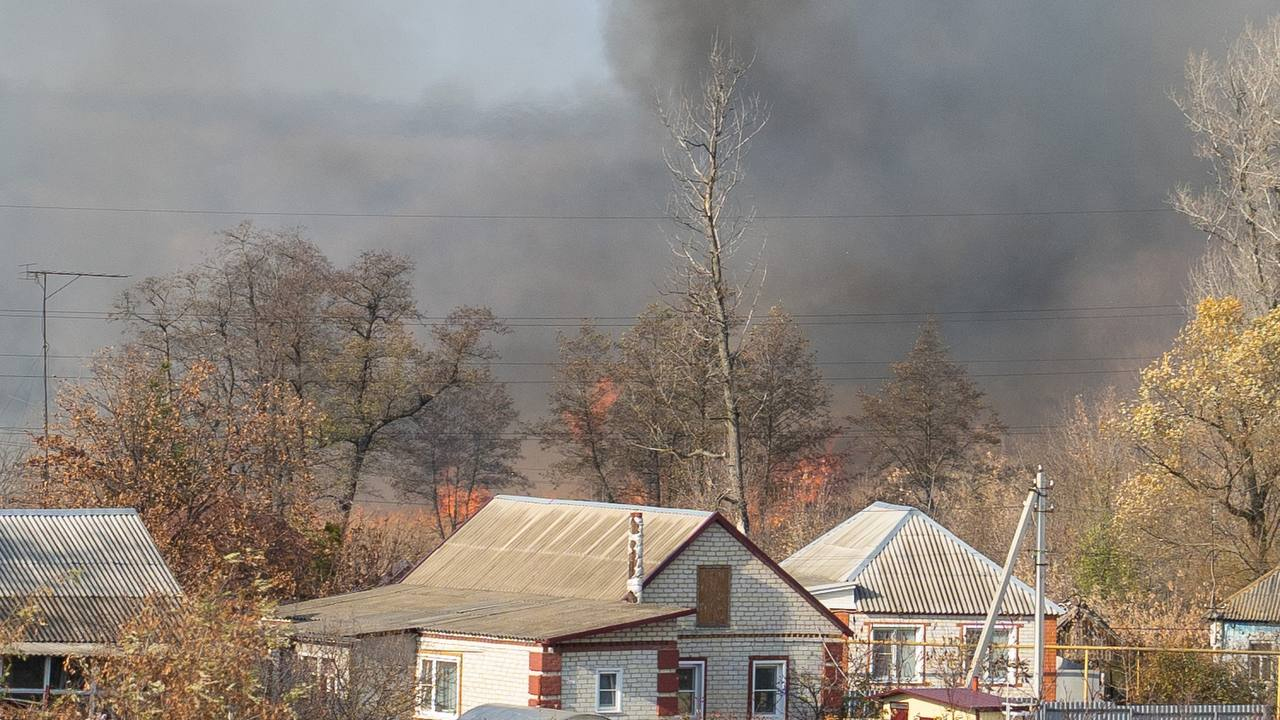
{"x": 635, "y": 558}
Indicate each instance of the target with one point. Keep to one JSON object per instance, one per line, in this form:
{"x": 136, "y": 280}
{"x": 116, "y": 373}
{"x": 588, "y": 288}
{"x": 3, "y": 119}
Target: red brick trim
{"x": 717, "y": 519}
{"x": 540, "y": 702}
{"x": 668, "y": 706}
{"x": 833, "y": 669}
{"x": 544, "y": 685}
{"x": 1049, "y": 666}
{"x": 669, "y": 658}
{"x": 668, "y": 682}
{"x": 546, "y": 662}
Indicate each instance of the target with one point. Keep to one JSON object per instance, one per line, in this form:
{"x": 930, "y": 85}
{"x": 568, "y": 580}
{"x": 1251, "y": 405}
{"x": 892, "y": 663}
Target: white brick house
{"x": 906, "y": 585}
{"x": 541, "y": 603}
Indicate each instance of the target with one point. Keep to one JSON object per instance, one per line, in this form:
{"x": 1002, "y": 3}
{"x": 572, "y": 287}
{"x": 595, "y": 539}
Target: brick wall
{"x": 767, "y": 618}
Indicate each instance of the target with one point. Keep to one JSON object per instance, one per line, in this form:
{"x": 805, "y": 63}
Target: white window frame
{"x": 700, "y": 688}
{"x": 616, "y": 708}
{"x": 918, "y": 636}
{"x": 780, "y": 711}
{"x": 429, "y": 712}
{"x": 1011, "y": 652}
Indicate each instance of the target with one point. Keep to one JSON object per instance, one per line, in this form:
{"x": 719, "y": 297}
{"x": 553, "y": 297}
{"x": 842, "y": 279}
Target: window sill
{"x": 429, "y": 715}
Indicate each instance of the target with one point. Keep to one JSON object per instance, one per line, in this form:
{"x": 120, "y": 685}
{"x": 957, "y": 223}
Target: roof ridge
{"x": 602, "y": 505}
{"x": 1252, "y": 586}
{"x": 884, "y": 541}
{"x": 969, "y": 549}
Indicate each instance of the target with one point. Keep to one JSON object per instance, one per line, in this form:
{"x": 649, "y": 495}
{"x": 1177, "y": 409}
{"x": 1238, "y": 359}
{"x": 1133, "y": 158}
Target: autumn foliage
{"x": 209, "y": 477}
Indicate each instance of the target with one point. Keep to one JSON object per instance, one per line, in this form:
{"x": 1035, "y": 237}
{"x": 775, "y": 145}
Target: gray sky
{"x": 545, "y": 108}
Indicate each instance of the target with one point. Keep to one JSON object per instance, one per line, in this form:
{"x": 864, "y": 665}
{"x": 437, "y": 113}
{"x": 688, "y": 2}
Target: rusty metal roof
{"x": 1259, "y": 601}
{"x": 515, "y": 616}
{"x": 897, "y": 560}
{"x": 553, "y": 547}
{"x": 86, "y": 571}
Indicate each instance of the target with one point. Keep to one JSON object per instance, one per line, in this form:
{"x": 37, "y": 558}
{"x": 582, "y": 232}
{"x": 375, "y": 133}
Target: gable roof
{"x": 573, "y": 548}
{"x": 512, "y": 616}
{"x": 567, "y": 548}
{"x": 1259, "y": 601}
{"x": 897, "y": 560}
{"x": 86, "y": 571}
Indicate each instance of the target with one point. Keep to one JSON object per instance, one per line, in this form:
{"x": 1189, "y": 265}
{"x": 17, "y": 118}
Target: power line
{"x": 951, "y": 317}
{"x": 1068, "y": 212}
{"x": 864, "y": 378}
{"x": 550, "y": 363}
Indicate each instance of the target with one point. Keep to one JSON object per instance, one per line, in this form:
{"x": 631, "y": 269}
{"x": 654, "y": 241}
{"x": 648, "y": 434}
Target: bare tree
{"x": 710, "y": 136}
{"x": 458, "y": 452}
{"x": 1233, "y": 107}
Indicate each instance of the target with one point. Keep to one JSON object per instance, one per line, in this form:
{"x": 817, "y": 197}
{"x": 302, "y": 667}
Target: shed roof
{"x": 514, "y": 616}
{"x": 1259, "y": 601}
{"x": 87, "y": 571}
{"x": 554, "y": 547}
{"x": 898, "y": 560}
{"x": 959, "y": 698}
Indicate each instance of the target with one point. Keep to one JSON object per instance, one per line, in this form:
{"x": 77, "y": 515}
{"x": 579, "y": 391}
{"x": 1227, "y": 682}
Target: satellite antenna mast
{"x": 41, "y": 277}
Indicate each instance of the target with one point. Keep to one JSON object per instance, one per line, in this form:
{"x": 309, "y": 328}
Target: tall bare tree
{"x": 1233, "y": 106}
{"x": 711, "y": 133}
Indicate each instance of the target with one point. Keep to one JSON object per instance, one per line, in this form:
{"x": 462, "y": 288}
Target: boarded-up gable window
{"x": 713, "y": 595}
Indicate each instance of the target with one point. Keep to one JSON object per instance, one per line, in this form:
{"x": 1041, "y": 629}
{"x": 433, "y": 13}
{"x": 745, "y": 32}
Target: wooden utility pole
{"x": 41, "y": 278}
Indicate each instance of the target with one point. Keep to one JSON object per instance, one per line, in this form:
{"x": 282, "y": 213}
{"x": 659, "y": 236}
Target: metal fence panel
{"x": 1111, "y": 711}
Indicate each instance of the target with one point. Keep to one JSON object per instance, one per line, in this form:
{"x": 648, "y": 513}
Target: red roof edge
{"x": 717, "y": 519}
{"x": 620, "y": 626}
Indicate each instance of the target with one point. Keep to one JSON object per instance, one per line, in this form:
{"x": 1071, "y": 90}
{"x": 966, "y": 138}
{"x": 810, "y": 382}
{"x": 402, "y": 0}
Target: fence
{"x": 1108, "y": 711}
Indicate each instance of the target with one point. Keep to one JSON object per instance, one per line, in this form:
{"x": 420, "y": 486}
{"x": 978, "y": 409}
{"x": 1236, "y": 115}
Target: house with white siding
{"x": 619, "y": 610}
{"x": 1249, "y": 619}
{"x": 914, "y": 596}
{"x": 79, "y": 576}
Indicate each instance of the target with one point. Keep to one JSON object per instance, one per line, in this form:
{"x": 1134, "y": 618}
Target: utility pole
{"x": 41, "y": 278}
{"x": 1042, "y": 510}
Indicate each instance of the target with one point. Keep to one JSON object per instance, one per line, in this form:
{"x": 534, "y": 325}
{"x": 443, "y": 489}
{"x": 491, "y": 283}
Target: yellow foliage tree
{"x": 1206, "y": 424}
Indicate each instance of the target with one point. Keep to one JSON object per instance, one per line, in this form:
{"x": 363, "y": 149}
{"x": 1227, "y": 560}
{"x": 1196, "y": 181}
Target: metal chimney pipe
{"x": 635, "y": 558}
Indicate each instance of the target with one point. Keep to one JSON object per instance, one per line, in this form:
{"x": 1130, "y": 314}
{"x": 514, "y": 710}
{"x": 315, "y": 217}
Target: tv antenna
{"x": 41, "y": 277}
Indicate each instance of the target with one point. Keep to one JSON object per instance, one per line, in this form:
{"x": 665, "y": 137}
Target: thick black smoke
{"x": 905, "y": 107}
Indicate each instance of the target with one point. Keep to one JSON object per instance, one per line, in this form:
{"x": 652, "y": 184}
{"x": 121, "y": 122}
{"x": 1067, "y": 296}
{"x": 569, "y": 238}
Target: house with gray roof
{"x": 905, "y": 585}
{"x": 81, "y": 574}
{"x": 1249, "y": 619}
{"x": 618, "y": 610}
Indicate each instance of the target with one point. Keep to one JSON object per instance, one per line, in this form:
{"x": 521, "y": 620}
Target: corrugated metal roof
{"x": 87, "y": 571}
{"x": 900, "y": 561}
{"x": 1259, "y": 601}
{"x": 553, "y": 547}
{"x": 516, "y": 616}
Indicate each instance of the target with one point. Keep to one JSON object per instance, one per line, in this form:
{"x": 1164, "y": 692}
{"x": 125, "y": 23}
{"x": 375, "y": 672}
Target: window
{"x": 768, "y": 688}
{"x": 713, "y": 595}
{"x": 1002, "y": 660}
{"x": 691, "y": 688}
{"x": 438, "y": 687}
{"x": 1262, "y": 668}
{"x": 609, "y": 691}
{"x": 894, "y": 662}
